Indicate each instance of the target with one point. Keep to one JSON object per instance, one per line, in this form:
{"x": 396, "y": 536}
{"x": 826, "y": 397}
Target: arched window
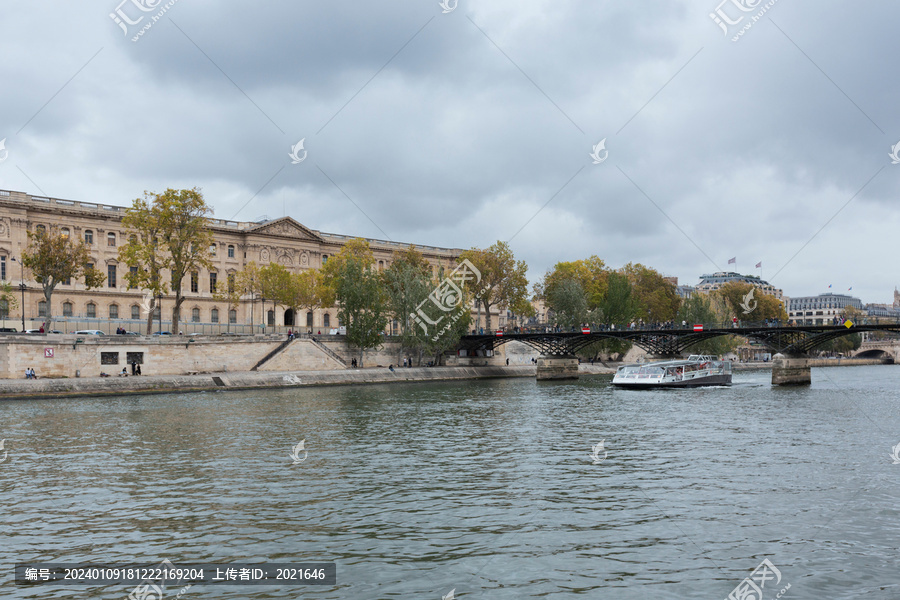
{"x": 212, "y": 249}
{"x": 232, "y": 316}
{"x": 231, "y": 283}
{"x": 113, "y": 311}
{"x": 195, "y": 282}
{"x": 4, "y": 309}
{"x": 324, "y": 258}
{"x": 42, "y": 308}
{"x": 110, "y": 239}
{"x": 67, "y": 309}
{"x": 88, "y": 237}
{"x": 230, "y": 251}
{"x": 132, "y": 239}
{"x": 270, "y": 318}
{"x": 195, "y": 315}
{"x": 91, "y": 310}
{"x": 214, "y": 315}
{"x": 135, "y": 312}
{"x": 309, "y": 319}
{"x": 381, "y": 265}
{"x": 64, "y": 232}
{"x": 40, "y": 229}
{"x": 326, "y": 320}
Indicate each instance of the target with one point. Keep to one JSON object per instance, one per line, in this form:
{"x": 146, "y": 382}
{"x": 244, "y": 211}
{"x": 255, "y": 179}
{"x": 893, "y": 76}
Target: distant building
{"x": 821, "y": 309}
{"x": 883, "y": 311}
{"x": 685, "y": 291}
{"x": 710, "y": 283}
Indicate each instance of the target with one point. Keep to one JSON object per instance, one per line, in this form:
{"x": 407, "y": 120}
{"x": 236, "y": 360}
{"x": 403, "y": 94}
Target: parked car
{"x": 132, "y": 333}
{"x": 8, "y": 330}
{"x": 89, "y": 332}
{"x": 162, "y": 333}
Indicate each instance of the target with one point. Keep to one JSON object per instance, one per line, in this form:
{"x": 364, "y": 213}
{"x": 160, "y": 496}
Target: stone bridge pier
{"x": 557, "y": 366}
{"x": 790, "y": 370}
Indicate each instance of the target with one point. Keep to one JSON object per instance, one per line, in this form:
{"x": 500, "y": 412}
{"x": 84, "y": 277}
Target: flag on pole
{"x": 732, "y": 261}
{"x": 849, "y": 288}
{"x": 829, "y": 286}
{"x": 759, "y": 265}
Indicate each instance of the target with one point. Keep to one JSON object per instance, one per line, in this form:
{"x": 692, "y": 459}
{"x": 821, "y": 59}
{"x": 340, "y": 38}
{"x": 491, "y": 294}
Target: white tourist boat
{"x": 694, "y": 371}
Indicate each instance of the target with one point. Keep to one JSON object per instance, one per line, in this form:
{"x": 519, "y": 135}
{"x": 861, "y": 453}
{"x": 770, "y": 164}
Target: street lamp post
{"x": 159, "y": 311}
{"x": 262, "y": 310}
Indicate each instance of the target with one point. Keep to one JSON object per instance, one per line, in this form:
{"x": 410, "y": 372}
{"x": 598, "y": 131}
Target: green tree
{"x": 184, "y": 231}
{"x": 54, "y": 258}
{"x": 8, "y": 298}
{"x": 170, "y": 232}
{"x": 504, "y": 282}
{"x": 407, "y": 282}
{"x": 568, "y": 300}
{"x": 655, "y": 298}
{"x": 698, "y": 309}
{"x": 361, "y": 298}
{"x": 307, "y": 291}
{"x": 590, "y": 273}
{"x": 447, "y": 337}
{"x": 145, "y": 252}
{"x": 230, "y": 294}
{"x": 737, "y": 299}
{"x": 618, "y": 306}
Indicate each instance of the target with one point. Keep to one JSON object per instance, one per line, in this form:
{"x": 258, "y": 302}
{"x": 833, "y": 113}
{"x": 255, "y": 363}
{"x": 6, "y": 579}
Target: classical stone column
{"x": 557, "y": 367}
{"x": 790, "y": 371}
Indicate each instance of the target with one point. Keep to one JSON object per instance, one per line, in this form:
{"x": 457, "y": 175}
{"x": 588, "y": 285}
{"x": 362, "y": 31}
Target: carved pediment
{"x": 286, "y": 227}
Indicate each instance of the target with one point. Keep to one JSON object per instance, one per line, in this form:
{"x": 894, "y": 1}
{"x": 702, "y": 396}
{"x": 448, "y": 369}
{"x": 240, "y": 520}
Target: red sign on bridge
{"x": 698, "y": 327}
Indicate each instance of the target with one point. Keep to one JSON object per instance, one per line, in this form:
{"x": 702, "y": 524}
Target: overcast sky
{"x": 463, "y": 127}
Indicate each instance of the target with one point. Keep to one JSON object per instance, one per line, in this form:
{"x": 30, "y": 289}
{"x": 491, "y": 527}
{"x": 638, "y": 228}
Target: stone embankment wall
{"x": 67, "y": 355}
{"x": 117, "y": 386}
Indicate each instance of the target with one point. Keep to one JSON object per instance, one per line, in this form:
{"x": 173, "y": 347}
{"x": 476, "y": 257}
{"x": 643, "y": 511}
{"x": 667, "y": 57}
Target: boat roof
{"x": 693, "y": 358}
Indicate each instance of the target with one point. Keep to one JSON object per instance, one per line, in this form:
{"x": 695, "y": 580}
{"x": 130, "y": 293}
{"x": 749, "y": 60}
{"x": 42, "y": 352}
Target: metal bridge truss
{"x": 790, "y": 341}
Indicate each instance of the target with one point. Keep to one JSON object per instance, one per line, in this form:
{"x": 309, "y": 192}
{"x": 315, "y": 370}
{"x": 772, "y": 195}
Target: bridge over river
{"x": 794, "y": 342}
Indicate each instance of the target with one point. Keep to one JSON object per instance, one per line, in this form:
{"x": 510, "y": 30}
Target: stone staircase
{"x": 329, "y": 351}
{"x": 272, "y": 354}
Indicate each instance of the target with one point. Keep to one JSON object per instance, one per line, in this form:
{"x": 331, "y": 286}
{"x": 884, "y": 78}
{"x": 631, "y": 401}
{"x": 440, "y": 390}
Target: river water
{"x": 485, "y": 487}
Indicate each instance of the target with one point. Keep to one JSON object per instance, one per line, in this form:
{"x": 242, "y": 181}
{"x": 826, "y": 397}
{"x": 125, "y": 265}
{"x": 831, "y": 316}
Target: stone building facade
{"x": 284, "y": 241}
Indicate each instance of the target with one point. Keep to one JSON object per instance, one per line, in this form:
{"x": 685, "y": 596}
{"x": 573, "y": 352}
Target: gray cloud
{"x": 750, "y": 149}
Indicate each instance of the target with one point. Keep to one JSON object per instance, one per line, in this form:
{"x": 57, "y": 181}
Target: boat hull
{"x": 712, "y": 380}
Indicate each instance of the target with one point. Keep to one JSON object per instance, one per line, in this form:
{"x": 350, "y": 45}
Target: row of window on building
{"x": 111, "y": 239}
{"x": 215, "y": 314}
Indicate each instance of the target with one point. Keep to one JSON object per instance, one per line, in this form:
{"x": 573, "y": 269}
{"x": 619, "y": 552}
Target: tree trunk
{"x": 48, "y": 294}
{"x": 150, "y": 316}
{"x": 487, "y": 315}
{"x": 176, "y": 312}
